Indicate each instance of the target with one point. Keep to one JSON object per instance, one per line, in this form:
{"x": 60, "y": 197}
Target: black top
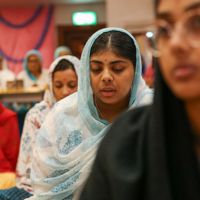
{"x": 148, "y": 154}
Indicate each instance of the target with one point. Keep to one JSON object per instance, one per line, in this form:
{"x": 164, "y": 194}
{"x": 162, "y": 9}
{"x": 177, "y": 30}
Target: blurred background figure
{"x": 149, "y": 74}
{"x": 61, "y": 51}
{"x": 5, "y": 74}
{"x": 62, "y": 81}
{"x": 9, "y": 146}
{"x": 33, "y": 74}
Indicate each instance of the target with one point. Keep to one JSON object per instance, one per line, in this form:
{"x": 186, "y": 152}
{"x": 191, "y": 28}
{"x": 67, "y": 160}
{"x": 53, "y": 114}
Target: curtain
{"x": 22, "y": 29}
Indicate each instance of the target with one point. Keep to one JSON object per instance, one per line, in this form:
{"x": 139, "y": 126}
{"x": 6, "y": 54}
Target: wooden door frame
{"x": 71, "y": 28}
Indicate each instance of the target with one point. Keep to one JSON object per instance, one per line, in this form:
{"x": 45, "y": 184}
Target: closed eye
{"x": 58, "y": 86}
{"x": 96, "y": 70}
{"x": 118, "y": 70}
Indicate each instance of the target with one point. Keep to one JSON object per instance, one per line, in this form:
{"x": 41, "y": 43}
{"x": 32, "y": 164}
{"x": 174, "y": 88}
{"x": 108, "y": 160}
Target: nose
{"x": 179, "y": 43}
{"x": 66, "y": 91}
{"x": 106, "y": 76}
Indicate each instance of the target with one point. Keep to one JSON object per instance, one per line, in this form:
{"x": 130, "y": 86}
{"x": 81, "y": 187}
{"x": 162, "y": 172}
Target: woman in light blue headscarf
{"x": 109, "y": 83}
{"x": 33, "y": 74}
{"x": 61, "y": 51}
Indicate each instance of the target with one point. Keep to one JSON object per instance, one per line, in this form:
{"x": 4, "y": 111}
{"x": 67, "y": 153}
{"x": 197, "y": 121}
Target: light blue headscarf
{"x": 29, "y": 53}
{"x": 68, "y": 140}
{"x": 61, "y": 48}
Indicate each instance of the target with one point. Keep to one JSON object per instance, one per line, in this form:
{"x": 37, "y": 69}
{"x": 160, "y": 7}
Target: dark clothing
{"x": 148, "y": 154}
{"x": 14, "y": 194}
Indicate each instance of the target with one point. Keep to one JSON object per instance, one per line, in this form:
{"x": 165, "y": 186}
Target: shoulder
{"x": 45, "y": 72}
{"x": 21, "y": 74}
{"x": 147, "y": 98}
{"x": 144, "y": 97}
{"x": 38, "y": 112}
{"x": 9, "y": 113}
{"x": 131, "y": 119}
{"x": 68, "y": 103}
{"x": 118, "y": 162}
{"x": 8, "y": 73}
{"x": 8, "y": 116}
{"x": 125, "y": 133}
{"x": 61, "y": 111}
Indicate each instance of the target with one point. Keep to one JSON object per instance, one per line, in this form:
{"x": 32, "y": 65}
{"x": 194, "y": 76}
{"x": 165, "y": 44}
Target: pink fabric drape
{"x": 16, "y": 42}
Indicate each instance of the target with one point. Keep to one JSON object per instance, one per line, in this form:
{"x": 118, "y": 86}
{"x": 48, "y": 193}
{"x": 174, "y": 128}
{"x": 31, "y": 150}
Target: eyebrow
{"x": 167, "y": 14}
{"x": 57, "y": 81}
{"x": 196, "y": 5}
{"x": 111, "y": 63}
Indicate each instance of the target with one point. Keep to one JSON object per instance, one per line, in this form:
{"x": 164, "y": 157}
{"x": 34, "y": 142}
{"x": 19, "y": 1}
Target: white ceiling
{"x": 19, "y": 3}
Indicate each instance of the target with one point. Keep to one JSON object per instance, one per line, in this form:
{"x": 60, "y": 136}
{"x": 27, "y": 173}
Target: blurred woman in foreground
{"x": 153, "y": 152}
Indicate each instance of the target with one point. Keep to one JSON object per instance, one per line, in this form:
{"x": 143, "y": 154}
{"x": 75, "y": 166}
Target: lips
{"x": 108, "y": 91}
{"x": 184, "y": 71}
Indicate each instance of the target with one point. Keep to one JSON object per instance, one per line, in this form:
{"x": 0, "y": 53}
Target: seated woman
{"x": 110, "y": 83}
{"x": 9, "y": 147}
{"x": 62, "y": 51}
{"x": 33, "y": 73}
{"x": 5, "y": 74}
{"x": 62, "y": 81}
{"x": 158, "y": 155}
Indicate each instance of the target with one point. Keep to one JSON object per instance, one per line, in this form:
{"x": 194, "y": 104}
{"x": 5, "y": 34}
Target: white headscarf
{"x": 49, "y": 96}
{"x": 68, "y": 139}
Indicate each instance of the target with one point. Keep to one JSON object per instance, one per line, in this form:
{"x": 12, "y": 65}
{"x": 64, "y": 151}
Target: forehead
{"x": 105, "y": 55}
{"x": 175, "y": 7}
{"x": 31, "y": 57}
{"x": 66, "y": 74}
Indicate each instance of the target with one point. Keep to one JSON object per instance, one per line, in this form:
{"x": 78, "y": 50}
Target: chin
{"x": 187, "y": 94}
{"x": 110, "y": 101}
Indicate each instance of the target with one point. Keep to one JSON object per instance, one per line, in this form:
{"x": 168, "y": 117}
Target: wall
{"x": 131, "y": 15}
{"x": 63, "y": 13}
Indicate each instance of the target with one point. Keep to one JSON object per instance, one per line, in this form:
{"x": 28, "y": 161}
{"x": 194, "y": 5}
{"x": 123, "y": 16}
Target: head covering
{"x": 72, "y": 131}
{"x": 61, "y": 48}
{"x": 154, "y": 158}
{"x": 49, "y": 96}
{"x": 39, "y": 56}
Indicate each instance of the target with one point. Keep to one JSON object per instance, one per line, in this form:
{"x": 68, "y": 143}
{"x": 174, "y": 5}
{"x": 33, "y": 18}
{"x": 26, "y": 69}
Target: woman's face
{"x": 180, "y": 59}
{"x": 64, "y": 83}
{"x": 111, "y": 77}
{"x": 63, "y": 53}
{"x": 33, "y": 64}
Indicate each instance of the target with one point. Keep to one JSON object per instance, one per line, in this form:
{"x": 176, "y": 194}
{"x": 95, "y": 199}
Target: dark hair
{"x": 156, "y": 5}
{"x": 120, "y": 43}
{"x": 63, "y": 65}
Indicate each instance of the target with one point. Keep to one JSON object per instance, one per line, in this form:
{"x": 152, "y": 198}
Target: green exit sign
{"x": 84, "y": 18}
